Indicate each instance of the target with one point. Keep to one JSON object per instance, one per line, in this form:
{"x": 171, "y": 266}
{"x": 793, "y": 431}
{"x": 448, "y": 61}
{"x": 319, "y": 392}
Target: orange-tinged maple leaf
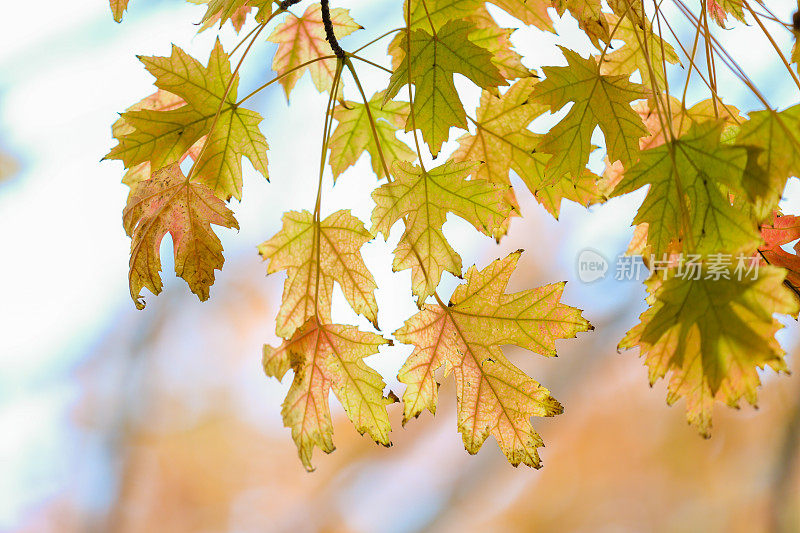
{"x": 167, "y": 202}
{"x": 234, "y": 10}
{"x": 423, "y": 198}
{"x": 720, "y": 9}
{"x": 782, "y": 230}
{"x": 302, "y": 39}
{"x": 711, "y": 336}
{"x": 315, "y": 254}
{"x": 327, "y": 357}
{"x": 494, "y": 396}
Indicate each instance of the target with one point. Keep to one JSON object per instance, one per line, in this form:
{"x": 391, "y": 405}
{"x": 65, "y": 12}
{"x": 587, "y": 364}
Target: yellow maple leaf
{"x": 353, "y": 134}
{"x": 503, "y": 143}
{"x": 167, "y": 202}
{"x": 494, "y": 396}
{"x": 301, "y": 39}
{"x": 327, "y": 357}
{"x": 711, "y": 336}
{"x": 314, "y": 256}
{"x": 423, "y": 198}
{"x": 632, "y": 57}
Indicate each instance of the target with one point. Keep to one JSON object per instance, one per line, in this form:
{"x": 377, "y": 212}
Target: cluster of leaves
{"x": 715, "y": 179}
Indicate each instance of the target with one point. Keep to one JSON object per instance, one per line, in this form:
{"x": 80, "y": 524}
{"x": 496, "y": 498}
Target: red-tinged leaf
{"x": 327, "y": 357}
{"x": 302, "y": 39}
{"x": 168, "y": 203}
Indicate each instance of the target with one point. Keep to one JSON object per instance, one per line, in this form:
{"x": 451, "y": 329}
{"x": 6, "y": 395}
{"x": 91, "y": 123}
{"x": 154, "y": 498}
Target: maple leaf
{"x": 159, "y": 101}
{"x": 773, "y": 139}
{"x": 167, "y": 202}
{"x": 633, "y": 57}
{"x": 598, "y": 100}
{"x": 436, "y": 58}
{"x": 501, "y": 120}
{"x": 503, "y": 143}
{"x": 234, "y": 10}
{"x": 590, "y": 17}
{"x": 711, "y": 336}
{"x": 489, "y": 35}
{"x": 425, "y": 197}
{"x": 327, "y": 357}
{"x": 690, "y": 180}
{"x": 161, "y": 137}
{"x": 439, "y": 12}
{"x": 494, "y": 396}
{"x": 353, "y": 134}
{"x": 583, "y": 190}
{"x": 302, "y": 39}
{"x": 118, "y": 8}
{"x": 782, "y": 230}
{"x": 720, "y": 9}
{"x": 314, "y": 256}
{"x": 531, "y": 12}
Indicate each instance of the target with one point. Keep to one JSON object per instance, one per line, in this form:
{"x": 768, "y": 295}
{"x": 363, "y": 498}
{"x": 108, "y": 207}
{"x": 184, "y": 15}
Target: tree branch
{"x": 329, "y": 35}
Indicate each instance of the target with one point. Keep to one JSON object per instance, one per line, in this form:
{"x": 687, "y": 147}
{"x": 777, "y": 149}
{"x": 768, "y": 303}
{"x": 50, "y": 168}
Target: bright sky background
{"x": 63, "y": 266}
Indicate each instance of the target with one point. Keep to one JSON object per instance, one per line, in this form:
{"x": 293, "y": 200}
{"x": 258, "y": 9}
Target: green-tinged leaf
{"x": 314, "y": 256}
{"x": 489, "y": 35}
{"x": 597, "y": 100}
{"x": 690, "y": 181}
{"x": 423, "y": 199}
{"x": 773, "y": 140}
{"x": 353, "y": 135}
{"x": 325, "y": 358}
{"x": 494, "y": 396}
{"x": 501, "y": 141}
{"x": 162, "y": 135}
{"x": 711, "y": 336}
{"x": 167, "y": 202}
{"x": 435, "y": 59}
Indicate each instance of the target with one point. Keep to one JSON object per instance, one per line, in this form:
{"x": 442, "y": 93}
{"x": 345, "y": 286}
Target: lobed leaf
{"x": 168, "y": 203}
{"x": 315, "y": 255}
{"x": 494, "y": 396}
{"x": 711, "y": 336}
{"x": 423, "y": 198}
{"x": 327, "y": 357}
{"x": 597, "y": 100}
{"x": 435, "y": 59}
{"x": 302, "y": 39}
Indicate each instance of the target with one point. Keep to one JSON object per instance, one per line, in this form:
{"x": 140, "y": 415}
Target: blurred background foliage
{"x": 162, "y": 420}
